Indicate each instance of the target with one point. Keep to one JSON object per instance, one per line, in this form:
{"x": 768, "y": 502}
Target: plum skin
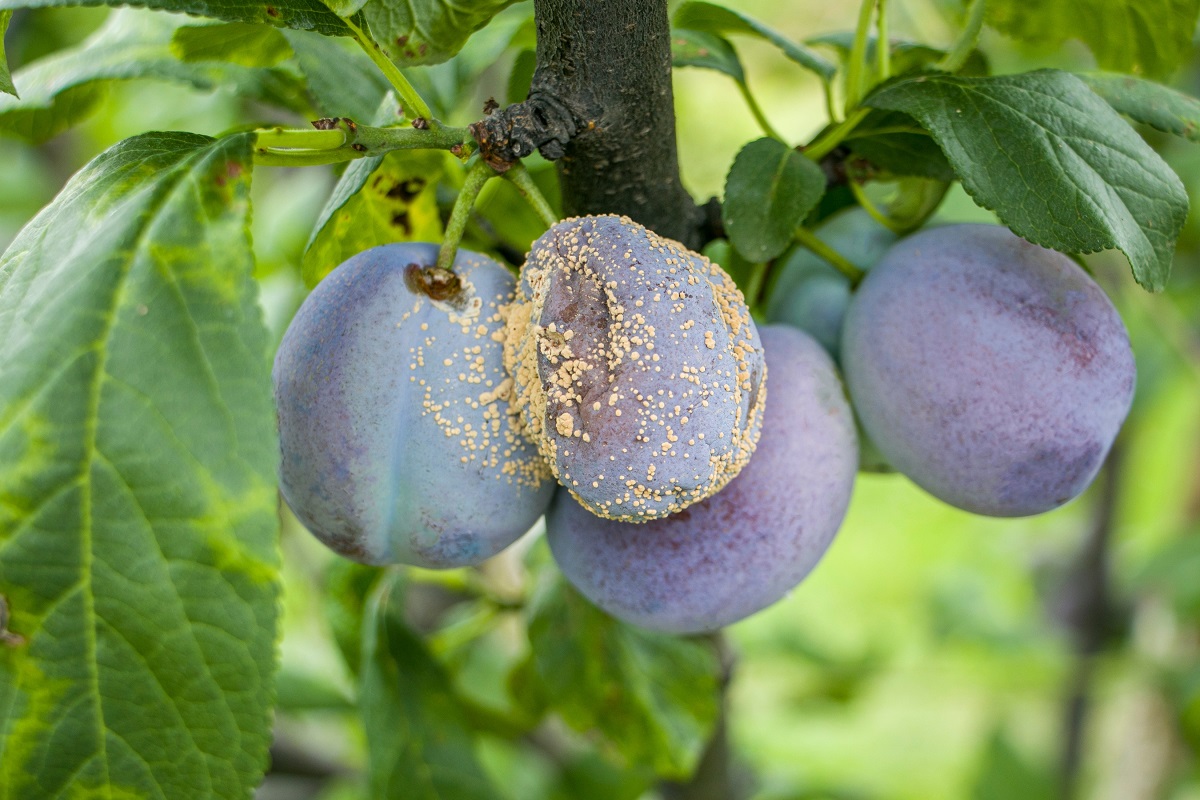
{"x": 638, "y": 369}
{"x": 811, "y": 293}
{"x": 742, "y": 549}
{"x": 396, "y": 435}
{"x": 992, "y": 372}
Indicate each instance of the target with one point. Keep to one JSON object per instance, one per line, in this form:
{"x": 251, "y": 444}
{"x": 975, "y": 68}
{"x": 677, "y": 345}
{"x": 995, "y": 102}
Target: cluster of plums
{"x": 620, "y": 388}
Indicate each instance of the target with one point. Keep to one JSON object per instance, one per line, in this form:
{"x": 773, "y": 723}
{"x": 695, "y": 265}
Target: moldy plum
{"x": 638, "y": 370}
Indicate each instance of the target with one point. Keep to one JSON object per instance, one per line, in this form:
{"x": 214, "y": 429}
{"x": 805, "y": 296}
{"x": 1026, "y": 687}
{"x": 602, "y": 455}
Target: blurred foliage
{"x": 923, "y": 660}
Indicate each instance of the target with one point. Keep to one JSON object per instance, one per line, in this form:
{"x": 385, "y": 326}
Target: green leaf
{"x": 653, "y": 697}
{"x": 1004, "y": 774}
{"x": 235, "y": 42}
{"x": 418, "y": 744}
{"x": 371, "y": 205}
{"x": 897, "y": 144}
{"x": 347, "y": 587}
{"x": 61, "y": 90}
{"x": 699, "y": 16}
{"x": 6, "y": 82}
{"x": 412, "y": 32}
{"x": 306, "y": 15}
{"x": 341, "y": 79}
{"x": 1054, "y": 161}
{"x": 1171, "y": 571}
{"x": 768, "y": 192}
{"x": 1149, "y": 103}
{"x": 1143, "y": 36}
{"x": 707, "y": 50}
{"x": 138, "y": 503}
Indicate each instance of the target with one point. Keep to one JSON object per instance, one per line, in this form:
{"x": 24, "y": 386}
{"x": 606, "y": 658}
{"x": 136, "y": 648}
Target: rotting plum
{"x": 638, "y": 370}
{"x": 992, "y": 372}
{"x": 745, "y": 547}
{"x": 810, "y": 293}
{"x": 397, "y": 437}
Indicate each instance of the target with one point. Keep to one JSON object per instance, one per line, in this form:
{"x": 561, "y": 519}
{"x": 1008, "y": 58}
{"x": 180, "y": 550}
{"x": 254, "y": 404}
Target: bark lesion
{"x": 543, "y": 122}
{"x": 601, "y": 106}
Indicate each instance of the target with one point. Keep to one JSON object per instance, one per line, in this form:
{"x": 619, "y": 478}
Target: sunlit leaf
{"x": 235, "y": 42}
{"x": 138, "y": 503}
{"x": 61, "y": 90}
{"x": 411, "y": 32}
{"x": 1143, "y": 36}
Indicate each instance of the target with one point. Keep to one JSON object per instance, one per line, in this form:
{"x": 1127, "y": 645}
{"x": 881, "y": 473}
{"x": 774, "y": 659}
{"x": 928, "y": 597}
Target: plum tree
{"x": 638, "y": 370}
{"x": 397, "y": 439}
{"x": 992, "y": 372}
{"x": 810, "y": 293}
{"x": 742, "y": 549}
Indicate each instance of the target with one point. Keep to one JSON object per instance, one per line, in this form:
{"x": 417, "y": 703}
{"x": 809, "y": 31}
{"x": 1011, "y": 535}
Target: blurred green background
{"x": 933, "y": 654}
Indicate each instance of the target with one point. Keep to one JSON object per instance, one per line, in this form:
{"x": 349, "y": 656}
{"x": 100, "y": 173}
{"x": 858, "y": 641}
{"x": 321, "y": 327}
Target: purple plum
{"x": 992, "y": 372}
{"x": 399, "y": 444}
{"x": 742, "y": 549}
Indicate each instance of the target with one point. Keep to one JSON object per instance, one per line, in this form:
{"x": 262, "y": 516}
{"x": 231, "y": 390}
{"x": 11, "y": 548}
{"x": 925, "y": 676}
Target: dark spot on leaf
{"x": 272, "y": 12}
{"x": 401, "y": 221}
{"x": 405, "y": 191}
{"x": 401, "y": 41}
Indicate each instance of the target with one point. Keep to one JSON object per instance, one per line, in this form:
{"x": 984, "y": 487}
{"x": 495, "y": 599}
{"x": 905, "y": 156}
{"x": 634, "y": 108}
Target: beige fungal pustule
{"x": 637, "y": 369}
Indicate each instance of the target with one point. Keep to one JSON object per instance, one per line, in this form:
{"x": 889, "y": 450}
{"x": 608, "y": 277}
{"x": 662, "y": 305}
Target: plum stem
{"x": 856, "y": 78}
{"x": 519, "y": 177}
{"x": 824, "y": 144}
{"x": 757, "y": 112}
{"x": 809, "y": 239}
{"x": 412, "y": 100}
{"x": 478, "y": 174}
{"x": 883, "y": 48}
{"x": 961, "y": 51}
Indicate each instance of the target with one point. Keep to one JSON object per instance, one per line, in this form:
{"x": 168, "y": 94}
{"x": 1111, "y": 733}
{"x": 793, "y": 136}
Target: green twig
{"x": 807, "y": 238}
{"x": 346, "y": 141}
{"x": 479, "y": 174}
{"x": 825, "y": 143}
{"x": 754, "y": 286}
{"x": 856, "y": 78}
{"x": 958, "y": 55}
{"x": 883, "y": 48}
{"x": 414, "y": 104}
{"x": 757, "y": 112}
{"x": 869, "y": 206}
{"x": 519, "y": 177}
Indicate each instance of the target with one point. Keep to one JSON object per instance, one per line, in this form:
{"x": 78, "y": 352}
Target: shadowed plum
{"x": 810, "y": 293}
{"x": 397, "y": 437}
{"x": 739, "y": 551}
{"x": 638, "y": 370}
{"x": 992, "y": 372}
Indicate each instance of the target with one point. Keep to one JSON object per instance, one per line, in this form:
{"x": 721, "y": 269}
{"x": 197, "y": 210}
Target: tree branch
{"x": 601, "y": 104}
{"x": 1085, "y": 607}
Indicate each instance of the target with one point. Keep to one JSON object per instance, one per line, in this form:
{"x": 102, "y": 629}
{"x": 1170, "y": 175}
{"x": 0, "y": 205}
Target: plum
{"x": 638, "y": 370}
{"x": 992, "y": 372}
{"x": 399, "y": 444}
{"x": 810, "y": 293}
{"x": 745, "y": 547}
